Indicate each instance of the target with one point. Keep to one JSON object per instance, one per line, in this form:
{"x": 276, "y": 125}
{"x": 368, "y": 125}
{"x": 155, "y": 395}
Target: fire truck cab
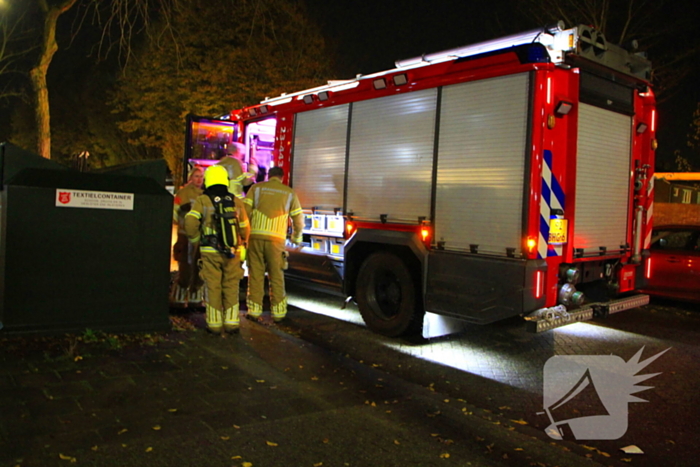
{"x": 510, "y": 177}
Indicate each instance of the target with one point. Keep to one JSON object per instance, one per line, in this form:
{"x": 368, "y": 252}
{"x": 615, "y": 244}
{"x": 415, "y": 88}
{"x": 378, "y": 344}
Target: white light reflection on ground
{"x": 504, "y": 353}
{"x": 592, "y": 330}
{"x": 453, "y": 351}
{"x": 330, "y": 306}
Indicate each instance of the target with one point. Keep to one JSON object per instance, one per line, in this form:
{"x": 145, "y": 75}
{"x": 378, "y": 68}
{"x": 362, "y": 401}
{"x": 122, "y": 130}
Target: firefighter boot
{"x": 279, "y": 311}
{"x": 254, "y": 311}
{"x": 231, "y": 320}
{"x": 214, "y": 321}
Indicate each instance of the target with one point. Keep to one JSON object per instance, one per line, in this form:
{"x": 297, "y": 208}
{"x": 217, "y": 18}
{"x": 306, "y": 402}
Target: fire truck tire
{"x": 387, "y": 296}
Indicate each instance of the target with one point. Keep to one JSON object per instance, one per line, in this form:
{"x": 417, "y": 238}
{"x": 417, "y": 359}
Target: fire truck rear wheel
{"x": 387, "y": 296}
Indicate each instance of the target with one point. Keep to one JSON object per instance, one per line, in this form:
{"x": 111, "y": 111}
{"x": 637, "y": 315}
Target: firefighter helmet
{"x": 215, "y": 175}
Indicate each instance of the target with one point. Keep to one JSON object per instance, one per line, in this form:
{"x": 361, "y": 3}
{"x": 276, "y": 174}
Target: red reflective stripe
{"x": 539, "y": 284}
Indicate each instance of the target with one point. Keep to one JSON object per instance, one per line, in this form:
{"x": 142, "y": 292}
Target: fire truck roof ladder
{"x": 528, "y": 37}
{"x": 582, "y": 41}
{"x": 545, "y": 36}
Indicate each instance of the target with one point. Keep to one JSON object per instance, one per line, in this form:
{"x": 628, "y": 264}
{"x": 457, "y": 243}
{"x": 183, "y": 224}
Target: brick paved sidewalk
{"x": 261, "y": 398}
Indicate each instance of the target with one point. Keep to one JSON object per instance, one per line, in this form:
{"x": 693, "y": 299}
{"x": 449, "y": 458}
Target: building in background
{"x": 676, "y": 198}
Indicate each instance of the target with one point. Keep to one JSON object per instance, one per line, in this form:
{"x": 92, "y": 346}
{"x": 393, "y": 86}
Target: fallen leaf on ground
{"x": 519, "y": 422}
{"x": 236, "y": 457}
{"x": 314, "y": 378}
{"x": 157, "y": 427}
{"x": 445, "y": 455}
{"x": 149, "y": 449}
{"x": 172, "y": 410}
{"x": 247, "y": 464}
{"x": 237, "y": 427}
{"x": 259, "y": 380}
{"x": 631, "y": 449}
{"x": 270, "y": 443}
{"x": 397, "y": 442}
{"x": 318, "y": 464}
{"x": 94, "y": 448}
{"x": 68, "y": 458}
{"x": 122, "y": 431}
{"x": 225, "y": 438}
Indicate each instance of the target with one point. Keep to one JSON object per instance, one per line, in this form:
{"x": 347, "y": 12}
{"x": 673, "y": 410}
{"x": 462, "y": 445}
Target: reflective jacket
{"x": 270, "y": 205}
{"x": 237, "y": 177}
{"x": 184, "y": 198}
{"x": 200, "y": 222}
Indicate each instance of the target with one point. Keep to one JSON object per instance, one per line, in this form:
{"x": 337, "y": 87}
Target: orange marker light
{"x": 425, "y": 233}
{"x": 531, "y": 244}
{"x": 349, "y": 229}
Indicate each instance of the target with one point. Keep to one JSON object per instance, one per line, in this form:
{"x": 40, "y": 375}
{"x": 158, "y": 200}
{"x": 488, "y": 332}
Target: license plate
{"x": 557, "y": 230}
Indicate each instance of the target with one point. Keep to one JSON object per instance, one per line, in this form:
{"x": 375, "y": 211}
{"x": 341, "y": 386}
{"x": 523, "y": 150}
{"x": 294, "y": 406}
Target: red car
{"x": 674, "y": 268}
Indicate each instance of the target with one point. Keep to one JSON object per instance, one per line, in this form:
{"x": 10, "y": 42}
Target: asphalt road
{"x": 500, "y": 368}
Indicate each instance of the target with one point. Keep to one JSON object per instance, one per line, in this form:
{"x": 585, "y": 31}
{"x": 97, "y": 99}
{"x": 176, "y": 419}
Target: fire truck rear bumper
{"x": 549, "y": 318}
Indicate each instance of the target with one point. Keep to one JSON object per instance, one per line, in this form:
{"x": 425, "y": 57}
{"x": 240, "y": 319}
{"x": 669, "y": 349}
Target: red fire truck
{"x": 510, "y": 177}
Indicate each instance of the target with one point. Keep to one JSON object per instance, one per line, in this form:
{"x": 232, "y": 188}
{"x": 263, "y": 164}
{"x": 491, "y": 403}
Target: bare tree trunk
{"x": 38, "y": 74}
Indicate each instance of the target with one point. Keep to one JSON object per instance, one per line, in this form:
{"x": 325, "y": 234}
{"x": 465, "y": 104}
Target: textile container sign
{"x": 67, "y": 198}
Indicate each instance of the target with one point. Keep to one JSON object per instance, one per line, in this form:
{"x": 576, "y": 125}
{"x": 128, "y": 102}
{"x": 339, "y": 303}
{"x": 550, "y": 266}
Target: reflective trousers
{"x": 266, "y": 255}
{"x": 222, "y": 278}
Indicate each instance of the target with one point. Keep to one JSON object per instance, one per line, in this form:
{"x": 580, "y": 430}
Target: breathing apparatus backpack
{"x": 225, "y": 225}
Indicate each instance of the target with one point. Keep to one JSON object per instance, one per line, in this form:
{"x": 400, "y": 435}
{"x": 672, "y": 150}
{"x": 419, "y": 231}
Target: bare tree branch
{"x": 11, "y": 52}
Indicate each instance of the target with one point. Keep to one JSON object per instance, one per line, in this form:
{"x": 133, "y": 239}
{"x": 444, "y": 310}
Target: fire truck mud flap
{"x": 557, "y": 316}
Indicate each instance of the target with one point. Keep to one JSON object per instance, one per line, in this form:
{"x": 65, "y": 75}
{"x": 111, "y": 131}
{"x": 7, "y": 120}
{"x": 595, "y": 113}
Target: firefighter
{"x": 219, "y": 224}
{"x": 269, "y": 205}
{"x": 187, "y": 286}
{"x": 233, "y": 162}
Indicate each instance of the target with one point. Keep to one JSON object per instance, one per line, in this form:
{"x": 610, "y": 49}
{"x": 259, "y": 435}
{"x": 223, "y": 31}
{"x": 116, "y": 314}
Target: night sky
{"x": 369, "y": 35}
